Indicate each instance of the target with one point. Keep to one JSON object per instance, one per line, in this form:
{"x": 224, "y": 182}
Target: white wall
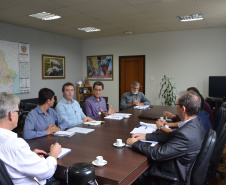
{"x": 50, "y": 44}
{"x": 189, "y": 57}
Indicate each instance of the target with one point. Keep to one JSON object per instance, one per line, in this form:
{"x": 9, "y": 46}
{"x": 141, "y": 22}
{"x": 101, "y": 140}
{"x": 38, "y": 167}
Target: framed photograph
{"x": 100, "y": 67}
{"x": 53, "y": 67}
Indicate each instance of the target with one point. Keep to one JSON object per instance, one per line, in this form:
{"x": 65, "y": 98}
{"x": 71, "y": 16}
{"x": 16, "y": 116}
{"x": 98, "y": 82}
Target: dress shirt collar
{"x": 65, "y": 101}
{"x": 131, "y": 94}
{"x": 8, "y": 133}
{"x": 184, "y": 122}
{"x": 94, "y": 97}
{"x": 40, "y": 111}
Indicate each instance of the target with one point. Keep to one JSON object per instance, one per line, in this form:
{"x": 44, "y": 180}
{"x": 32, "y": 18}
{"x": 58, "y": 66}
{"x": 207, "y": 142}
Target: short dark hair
{"x": 98, "y": 83}
{"x": 67, "y": 84}
{"x": 192, "y": 102}
{"x": 44, "y": 95}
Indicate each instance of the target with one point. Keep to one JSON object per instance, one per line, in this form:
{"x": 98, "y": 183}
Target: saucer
{"x": 126, "y": 117}
{"x": 95, "y": 163}
{"x": 115, "y": 144}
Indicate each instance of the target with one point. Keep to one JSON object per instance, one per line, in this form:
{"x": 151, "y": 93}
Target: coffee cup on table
{"x": 162, "y": 118}
{"x": 99, "y": 160}
{"x": 119, "y": 142}
{"x": 126, "y": 116}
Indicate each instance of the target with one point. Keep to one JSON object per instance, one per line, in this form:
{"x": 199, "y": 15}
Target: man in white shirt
{"x": 21, "y": 163}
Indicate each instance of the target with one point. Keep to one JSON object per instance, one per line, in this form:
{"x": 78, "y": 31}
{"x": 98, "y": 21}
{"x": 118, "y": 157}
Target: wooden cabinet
{"x": 82, "y": 92}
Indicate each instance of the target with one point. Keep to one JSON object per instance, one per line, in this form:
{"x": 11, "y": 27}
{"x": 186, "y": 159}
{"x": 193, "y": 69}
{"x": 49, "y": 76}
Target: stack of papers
{"x": 93, "y": 122}
{"x": 142, "y": 107}
{"x": 144, "y": 128}
{"x": 64, "y": 133}
{"x": 80, "y": 130}
{"x": 113, "y": 116}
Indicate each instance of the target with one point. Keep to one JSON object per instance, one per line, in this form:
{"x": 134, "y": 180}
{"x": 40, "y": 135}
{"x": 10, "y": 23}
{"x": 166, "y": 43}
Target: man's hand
{"x": 135, "y": 102}
{"x": 85, "y": 119}
{"x": 168, "y": 114}
{"x": 55, "y": 150}
{"x": 160, "y": 122}
{"x": 40, "y": 153}
{"x": 111, "y": 111}
{"x": 56, "y": 129}
{"x": 139, "y": 136}
{"x": 50, "y": 129}
{"x": 130, "y": 141}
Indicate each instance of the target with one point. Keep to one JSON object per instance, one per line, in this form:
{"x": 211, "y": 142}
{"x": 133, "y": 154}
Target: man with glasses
{"x": 96, "y": 105}
{"x": 43, "y": 120}
{"x": 178, "y": 150}
{"x": 134, "y": 97}
{"x": 21, "y": 163}
{"x": 69, "y": 108}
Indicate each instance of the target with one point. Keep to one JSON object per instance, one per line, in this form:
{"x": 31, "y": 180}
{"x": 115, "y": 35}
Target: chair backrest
{"x": 216, "y": 156}
{"x": 223, "y": 104}
{"x": 4, "y": 176}
{"x": 219, "y": 120}
{"x": 199, "y": 171}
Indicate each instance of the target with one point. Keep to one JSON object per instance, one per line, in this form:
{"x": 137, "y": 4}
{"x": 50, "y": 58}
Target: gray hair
{"x": 192, "y": 102}
{"x": 8, "y": 102}
{"x": 135, "y": 83}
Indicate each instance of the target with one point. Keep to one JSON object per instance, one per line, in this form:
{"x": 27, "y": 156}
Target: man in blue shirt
{"x": 43, "y": 120}
{"x": 69, "y": 108}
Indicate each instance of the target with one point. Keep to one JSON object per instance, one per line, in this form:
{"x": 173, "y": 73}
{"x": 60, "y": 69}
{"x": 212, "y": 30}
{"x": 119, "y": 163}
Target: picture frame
{"x": 100, "y": 67}
{"x": 53, "y": 67}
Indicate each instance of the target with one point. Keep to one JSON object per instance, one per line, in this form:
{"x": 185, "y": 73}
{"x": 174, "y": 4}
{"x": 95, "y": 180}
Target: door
{"x": 131, "y": 68}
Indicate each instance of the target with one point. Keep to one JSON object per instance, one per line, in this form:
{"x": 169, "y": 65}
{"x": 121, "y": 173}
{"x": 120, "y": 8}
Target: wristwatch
{"x": 160, "y": 127}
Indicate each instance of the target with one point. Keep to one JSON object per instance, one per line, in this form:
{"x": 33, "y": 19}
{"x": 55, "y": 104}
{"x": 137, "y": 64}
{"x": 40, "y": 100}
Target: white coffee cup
{"x": 99, "y": 159}
{"x": 167, "y": 126}
{"x": 119, "y": 142}
{"x": 162, "y": 118}
{"x": 126, "y": 116}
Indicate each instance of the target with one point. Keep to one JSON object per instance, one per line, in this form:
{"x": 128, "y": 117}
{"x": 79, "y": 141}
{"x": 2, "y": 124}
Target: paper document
{"x": 115, "y": 116}
{"x": 64, "y": 152}
{"x": 143, "y": 130}
{"x": 80, "y": 130}
{"x": 152, "y": 125}
{"x": 142, "y": 107}
{"x": 93, "y": 122}
{"x": 64, "y": 133}
{"x": 121, "y": 114}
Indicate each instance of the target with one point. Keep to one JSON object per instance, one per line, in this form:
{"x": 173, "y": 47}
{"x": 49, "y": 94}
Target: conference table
{"x": 123, "y": 166}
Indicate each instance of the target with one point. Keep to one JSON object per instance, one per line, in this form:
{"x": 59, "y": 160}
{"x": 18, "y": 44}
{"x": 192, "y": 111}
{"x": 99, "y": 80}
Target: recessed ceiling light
{"x": 45, "y": 16}
{"x": 89, "y": 29}
{"x": 194, "y": 17}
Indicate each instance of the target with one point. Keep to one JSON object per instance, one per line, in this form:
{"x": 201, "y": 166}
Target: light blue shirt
{"x": 71, "y": 112}
{"x": 37, "y": 122}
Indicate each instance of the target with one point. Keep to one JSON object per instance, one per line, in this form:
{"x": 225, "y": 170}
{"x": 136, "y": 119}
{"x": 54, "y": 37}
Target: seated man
{"x": 69, "y": 108}
{"x": 43, "y": 120}
{"x": 134, "y": 97}
{"x": 21, "y": 163}
{"x": 205, "y": 114}
{"x": 96, "y": 105}
{"x": 179, "y": 149}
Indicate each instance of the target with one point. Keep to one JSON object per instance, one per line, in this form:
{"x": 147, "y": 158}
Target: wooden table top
{"x": 124, "y": 165}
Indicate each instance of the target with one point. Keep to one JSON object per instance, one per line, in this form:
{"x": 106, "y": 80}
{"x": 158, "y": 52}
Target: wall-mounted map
{"x": 14, "y": 67}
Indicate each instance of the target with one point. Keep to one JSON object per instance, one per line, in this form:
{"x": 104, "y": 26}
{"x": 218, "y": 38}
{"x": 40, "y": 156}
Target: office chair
{"x": 216, "y": 156}
{"x": 199, "y": 171}
{"x": 223, "y": 104}
{"x": 219, "y": 120}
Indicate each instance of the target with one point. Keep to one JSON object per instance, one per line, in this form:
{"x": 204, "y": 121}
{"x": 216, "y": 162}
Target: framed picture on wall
{"x": 53, "y": 67}
{"x": 100, "y": 67}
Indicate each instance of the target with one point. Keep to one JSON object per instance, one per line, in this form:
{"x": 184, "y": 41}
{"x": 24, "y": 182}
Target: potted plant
{"x": 167, "y": 92}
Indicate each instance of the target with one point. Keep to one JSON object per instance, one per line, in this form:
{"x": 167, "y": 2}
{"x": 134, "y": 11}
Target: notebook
{"x": 64, "y": 152}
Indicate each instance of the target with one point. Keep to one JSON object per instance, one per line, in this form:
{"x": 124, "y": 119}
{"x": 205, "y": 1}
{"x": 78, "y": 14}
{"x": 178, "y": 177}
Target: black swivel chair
{"x": 223, "y": 104}
{"x": 216, "y": 156}
{"x": 219, "y": 120}
{"x": 199, "y": 171}
{"x": 6, "y": 180}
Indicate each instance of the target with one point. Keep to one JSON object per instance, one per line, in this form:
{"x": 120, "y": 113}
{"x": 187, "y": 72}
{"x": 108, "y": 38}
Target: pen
{"x": 56, "y": 140}
{"x": 37, "y": 180}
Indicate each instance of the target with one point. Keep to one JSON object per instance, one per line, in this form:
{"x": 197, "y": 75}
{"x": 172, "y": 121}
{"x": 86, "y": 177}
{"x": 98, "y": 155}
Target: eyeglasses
{"x": 178, "y": 104}
{"x": 20, "y": 112}
{"x": 98, "y": 90}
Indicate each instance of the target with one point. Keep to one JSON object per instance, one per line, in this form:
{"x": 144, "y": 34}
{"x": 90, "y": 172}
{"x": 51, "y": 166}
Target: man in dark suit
{"x": 178, "y": 150}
